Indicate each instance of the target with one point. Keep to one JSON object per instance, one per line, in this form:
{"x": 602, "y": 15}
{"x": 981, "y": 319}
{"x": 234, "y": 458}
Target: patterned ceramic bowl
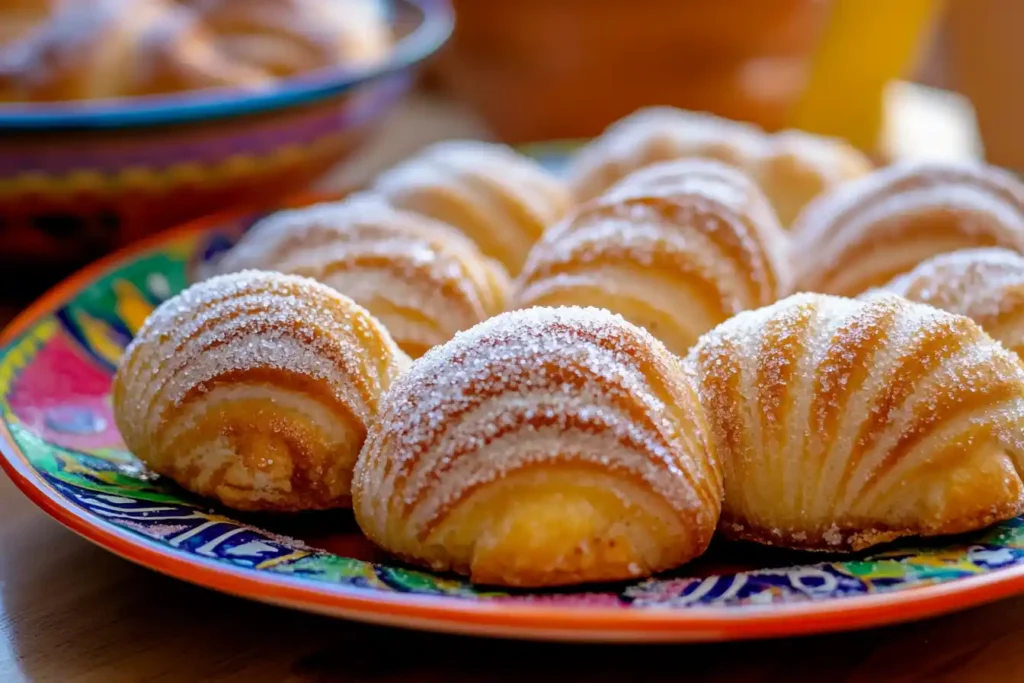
{"x": 78, "y": 179}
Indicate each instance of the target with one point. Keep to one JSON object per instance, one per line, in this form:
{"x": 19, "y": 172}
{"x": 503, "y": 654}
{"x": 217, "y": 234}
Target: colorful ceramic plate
{"x": 60, "y": 447}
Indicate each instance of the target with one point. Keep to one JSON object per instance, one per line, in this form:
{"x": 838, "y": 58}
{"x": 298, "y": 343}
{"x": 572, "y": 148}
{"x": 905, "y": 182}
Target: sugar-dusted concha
{"x": 795, "y": 167}
{"x": 676, "y": 248}
{"x": 423, "y": 279}
{"x": 792, "y": 167}
{"x": 870, "y": 230}
{"x": 500, "y": 199}
{"x": 986, "y": 285}
{"x": 98, "y": 49}
{"x": 255, "y": 389}
{"x": 288, "y": 37}
{"x": 541, "y": 447}
{"x": 61, "y": 50}
{"x": 843, "y": 423}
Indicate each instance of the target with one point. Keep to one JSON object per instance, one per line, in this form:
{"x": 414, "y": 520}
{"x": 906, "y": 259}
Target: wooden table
{"x": 72, "y": 612}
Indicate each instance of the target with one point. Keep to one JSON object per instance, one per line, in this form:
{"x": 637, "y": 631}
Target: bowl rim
{"x": 436, "y": 21}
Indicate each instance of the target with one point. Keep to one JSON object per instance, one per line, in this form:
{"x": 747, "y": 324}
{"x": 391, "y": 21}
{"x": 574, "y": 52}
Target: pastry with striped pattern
{"x": 286, "y": 38}
{"x": 986, "y": 285}
{"x": 676, "y": 248}
{"x": 792, "y": 167}
{"x": 255, "y": 389}
{"x": 423, "y": 279}
{"x": 541, "y": 447}
{"x": 870, "y": 230}
{"x": 64, "y": 50}
{"x": 500, "y": 199}
{"x": 844, "y": 423}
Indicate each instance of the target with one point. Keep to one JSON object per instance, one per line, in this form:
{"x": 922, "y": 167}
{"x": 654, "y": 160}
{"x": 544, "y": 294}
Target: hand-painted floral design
{"x": 55, "y": 405}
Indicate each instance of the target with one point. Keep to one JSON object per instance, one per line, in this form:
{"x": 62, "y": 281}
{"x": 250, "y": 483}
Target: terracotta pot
{"x": 537, "y": 69}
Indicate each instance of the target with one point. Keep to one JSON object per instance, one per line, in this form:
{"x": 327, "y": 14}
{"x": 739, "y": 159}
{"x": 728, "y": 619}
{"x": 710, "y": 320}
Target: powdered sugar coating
{"x": 423, "y": 279}
{"x": 80, "y": 51}
{"x": 792, "y": 167}
{"x": 795, "y": 167}
{"x": 843, "y": 423}
{"x": 676, "y": 248}
{"x": 288, "y": 37}
{"x": 101, "y": 49}
{"x": 986, "y": 285}
{"x": 868, "y": 231}
{"x": 500, "y": 199}
{"x": 255, "y": 388}
{"x": 563, "y": 389}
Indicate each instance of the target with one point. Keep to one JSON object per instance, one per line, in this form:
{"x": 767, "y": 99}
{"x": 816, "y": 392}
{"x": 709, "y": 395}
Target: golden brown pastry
{"x": 501, "y": 200}
{"x": 115, "y": 48}
{"x": 795, "y": 167}
{"x": 844, "y": 423}
{"x": 539, "y": 448}
{"x": 986, "y": 285}
{"x": 96, "y": 49}
{"x": 19, "y": 17}
{"x": 255, "y": 389}
{"x": 791, "y": 167}
{"x": 288, "y": 37}
{"x": 423, "y": 279}
{"x": 870, "y": 230}
{"x": 676, "y": 248}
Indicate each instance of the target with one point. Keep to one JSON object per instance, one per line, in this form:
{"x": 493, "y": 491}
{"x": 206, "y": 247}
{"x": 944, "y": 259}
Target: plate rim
{"x": 454, "y": 614}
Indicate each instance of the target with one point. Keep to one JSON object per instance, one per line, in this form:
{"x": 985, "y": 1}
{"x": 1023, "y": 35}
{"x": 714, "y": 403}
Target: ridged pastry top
{"x": 657, "y": 134}
{"x": 256, "y": 377}
{"x": 555, "y": 387}
{"x": 986, "y": 285}
{"x": 841, "y": 423}
{"x": 867, "y": 231}
{"x": 795, "y": 167}
{"x": 695, "y": 239}
{"x": 791, "y": 167}
{"x": 252, "y": 319}
{"x": 423, "y": 279}
{"x": 94, "y": 49}
{"x": 500, "y": 199}
{"x": 288, "y": 37}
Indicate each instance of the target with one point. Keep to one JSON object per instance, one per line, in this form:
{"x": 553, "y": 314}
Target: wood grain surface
{"x": 71, "y": 612}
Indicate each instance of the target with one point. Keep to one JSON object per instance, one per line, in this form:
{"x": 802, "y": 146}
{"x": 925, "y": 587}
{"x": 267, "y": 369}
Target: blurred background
{"x": 542, "y": 69}
{"x": 108, "y": 135}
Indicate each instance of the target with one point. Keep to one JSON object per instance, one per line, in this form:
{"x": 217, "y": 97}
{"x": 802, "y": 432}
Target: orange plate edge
{"x": 460, "y": 615}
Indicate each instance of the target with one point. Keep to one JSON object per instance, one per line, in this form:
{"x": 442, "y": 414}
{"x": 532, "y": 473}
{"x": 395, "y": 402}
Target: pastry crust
{"x": 98, "y": 49}
{"x": 423, "y": 279}
{"x": 20, "y": 17}
{"x": 792, "y": 167}
{"x": 115, "y": 48}
{"x": 255, "y": 389}
{"x": 986, "y": 285}
{"x": 676, "y": 248}
{"x": 795, "y": 167}
{"x": 870, "y": 230}
{"x": 287, "y": 37}
{"x": 541, "y": 447}
{"x": 498, "y": 198}
{"x": 844, "y": 423}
